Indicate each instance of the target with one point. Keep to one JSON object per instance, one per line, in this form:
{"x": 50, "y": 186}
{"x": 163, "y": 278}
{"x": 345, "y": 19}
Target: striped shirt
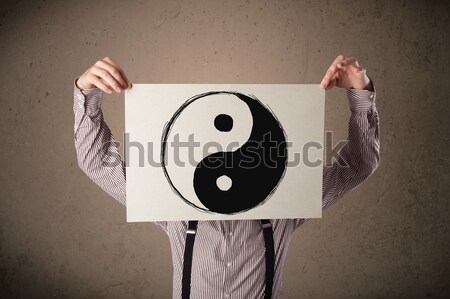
{"x": 229, "y": 256}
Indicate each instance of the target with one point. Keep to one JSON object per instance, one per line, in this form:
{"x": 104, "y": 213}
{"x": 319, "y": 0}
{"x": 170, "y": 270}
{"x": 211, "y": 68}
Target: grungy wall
{"x": 63, "y": 237}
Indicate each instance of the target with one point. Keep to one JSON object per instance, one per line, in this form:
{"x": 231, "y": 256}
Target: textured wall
{"x": 62, "y": 237}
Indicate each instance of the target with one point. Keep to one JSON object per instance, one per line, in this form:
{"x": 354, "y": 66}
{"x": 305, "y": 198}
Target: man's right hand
{"x": 106, "y": 75}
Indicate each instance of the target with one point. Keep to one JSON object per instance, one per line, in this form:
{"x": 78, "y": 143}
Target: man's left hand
{"x": 346, "y": 73}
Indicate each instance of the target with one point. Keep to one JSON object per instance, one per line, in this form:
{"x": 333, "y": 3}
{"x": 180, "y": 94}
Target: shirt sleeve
{"x": 360, "y": 156}
{"x": 97, "y": 150}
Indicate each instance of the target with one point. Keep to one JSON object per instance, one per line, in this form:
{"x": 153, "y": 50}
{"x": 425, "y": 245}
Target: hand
{"x": 347, "y": 73}
{"x": 106, "y": 75}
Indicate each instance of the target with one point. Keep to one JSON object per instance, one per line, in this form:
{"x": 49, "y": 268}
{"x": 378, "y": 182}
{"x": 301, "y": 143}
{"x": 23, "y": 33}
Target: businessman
{"x": 239, "y": 258}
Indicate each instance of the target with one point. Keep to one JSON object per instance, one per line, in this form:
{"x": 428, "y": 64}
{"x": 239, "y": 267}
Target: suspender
{"x": 188, "y": 251}
{"x": 270, "y": 256}
{"x": 187, "y": 263}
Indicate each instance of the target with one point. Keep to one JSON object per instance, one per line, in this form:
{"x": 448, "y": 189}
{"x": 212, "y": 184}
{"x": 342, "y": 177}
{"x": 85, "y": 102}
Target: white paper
{"x": 162, "y": 112}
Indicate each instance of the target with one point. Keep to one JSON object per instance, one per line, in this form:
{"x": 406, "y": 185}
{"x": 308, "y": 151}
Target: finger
{"x": 358, "y": 70}
{"x": 100, "y": 84}
{"x": 113, "y": 63}
{"x": 107, "y": 77}
{"x": 361, "y": 70}
{"x": 338, "y": 59}
{"x": 348, "y": 62}
{"x": 331, "y": 71}
{"x": 329, "y": 75}
{"x": 110, "y": 61}
{"x": 331, "y": 84}
{"x": 113, "y": 71}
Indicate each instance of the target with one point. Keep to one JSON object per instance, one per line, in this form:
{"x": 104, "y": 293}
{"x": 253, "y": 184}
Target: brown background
{"x": 63, "y": 237}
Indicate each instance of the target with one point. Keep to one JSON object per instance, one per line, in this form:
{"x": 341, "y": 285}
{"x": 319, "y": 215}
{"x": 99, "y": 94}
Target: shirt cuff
{"x": 361, "y": 100}
{"x": 89, "y": 99}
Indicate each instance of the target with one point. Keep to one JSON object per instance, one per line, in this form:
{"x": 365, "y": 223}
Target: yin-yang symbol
{"x": 224, "y": 152}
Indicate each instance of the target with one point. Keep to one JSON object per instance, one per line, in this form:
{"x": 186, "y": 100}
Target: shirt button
{"x": 228, "y": 264}
{"x": 226, "y": 295}
{"x": 230, "y": 234}
{"x": 371, "y": 96}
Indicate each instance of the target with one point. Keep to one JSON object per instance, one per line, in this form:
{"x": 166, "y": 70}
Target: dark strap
{"x": 270, "y": 257}
{"x": 189, "y": 249}
{"x": 187, "y": 263}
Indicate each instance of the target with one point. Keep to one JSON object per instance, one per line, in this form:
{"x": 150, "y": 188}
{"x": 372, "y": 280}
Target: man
{"x": 229, "y": 256}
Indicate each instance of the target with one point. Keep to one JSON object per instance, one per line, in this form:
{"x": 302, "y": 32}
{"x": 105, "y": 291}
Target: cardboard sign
{"x": 223, "y": 152}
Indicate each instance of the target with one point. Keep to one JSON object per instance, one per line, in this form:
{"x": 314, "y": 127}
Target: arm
{"x": 360, "y": 156}
{"x": 95, "y": 145}
{"x": 96, "y": 149}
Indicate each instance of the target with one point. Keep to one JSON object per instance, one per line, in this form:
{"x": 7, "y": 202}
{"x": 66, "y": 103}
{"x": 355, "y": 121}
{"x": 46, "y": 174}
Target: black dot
{"x": 223, "y": 122}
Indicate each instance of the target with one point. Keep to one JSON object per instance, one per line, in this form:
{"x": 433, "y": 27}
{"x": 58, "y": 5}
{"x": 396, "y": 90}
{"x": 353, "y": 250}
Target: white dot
{"x": 224, "y": 183}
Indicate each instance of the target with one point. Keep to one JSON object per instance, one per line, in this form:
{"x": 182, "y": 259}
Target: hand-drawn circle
{"x": 255, "y": 169}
